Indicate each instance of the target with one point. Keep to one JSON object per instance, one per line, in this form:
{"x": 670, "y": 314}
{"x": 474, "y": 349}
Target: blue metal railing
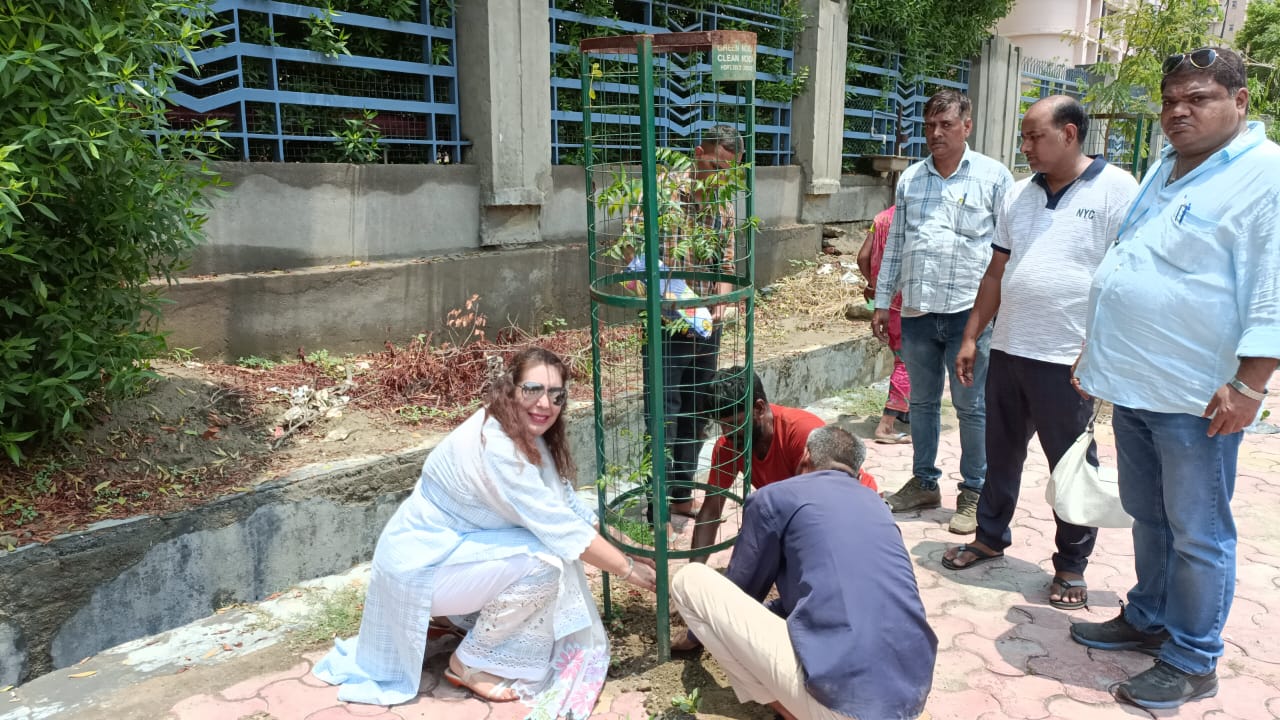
{"x": 282, "y": 86}
{"x": 1113, "y": 136}
{"x": 879, "y": 103}
{"x": 1039, "y": 79}
{"x": 774, "y": 65}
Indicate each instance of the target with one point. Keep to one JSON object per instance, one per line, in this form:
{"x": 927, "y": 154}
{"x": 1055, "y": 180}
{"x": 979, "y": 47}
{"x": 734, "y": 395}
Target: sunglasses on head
{"x": 532, "y": 392}
{"x": 1199, "y": 59}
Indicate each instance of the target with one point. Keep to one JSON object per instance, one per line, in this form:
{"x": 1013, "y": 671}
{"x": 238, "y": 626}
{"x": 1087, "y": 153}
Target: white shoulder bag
{"x": 1085, "y": 494}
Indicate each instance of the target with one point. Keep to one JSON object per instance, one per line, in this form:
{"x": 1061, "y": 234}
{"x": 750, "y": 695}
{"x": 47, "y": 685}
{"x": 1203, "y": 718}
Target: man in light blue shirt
{"x": 1183, "y": 334}
{"x": 938, "y": 249}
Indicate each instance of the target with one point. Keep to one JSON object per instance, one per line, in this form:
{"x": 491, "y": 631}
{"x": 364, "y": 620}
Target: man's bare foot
{"x": 1068, "y": 591}
{"x": 688, "y": 642}
{"x": 484, "y": 685}
{"x": 782, "y": 712}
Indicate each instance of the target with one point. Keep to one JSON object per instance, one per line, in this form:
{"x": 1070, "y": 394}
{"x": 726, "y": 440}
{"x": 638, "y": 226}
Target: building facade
{"x": 1233, "y": 12}
{"x": 1061, "y": 31}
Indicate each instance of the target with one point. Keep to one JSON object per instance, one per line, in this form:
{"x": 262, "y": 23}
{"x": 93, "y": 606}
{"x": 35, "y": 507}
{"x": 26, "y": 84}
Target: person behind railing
{"x": 493, "y": 537}
{"x": 697, "y": 221}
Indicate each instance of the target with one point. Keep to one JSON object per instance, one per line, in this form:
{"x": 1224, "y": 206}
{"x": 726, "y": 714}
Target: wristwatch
{"x": 1247, "y": 391}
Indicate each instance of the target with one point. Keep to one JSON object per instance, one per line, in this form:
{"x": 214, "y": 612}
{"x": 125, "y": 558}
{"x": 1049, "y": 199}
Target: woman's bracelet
{"x": 631, "y": 567}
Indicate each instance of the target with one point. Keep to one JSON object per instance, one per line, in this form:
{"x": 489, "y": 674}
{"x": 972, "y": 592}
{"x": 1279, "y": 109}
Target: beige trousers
{"x": 749, "y": 642}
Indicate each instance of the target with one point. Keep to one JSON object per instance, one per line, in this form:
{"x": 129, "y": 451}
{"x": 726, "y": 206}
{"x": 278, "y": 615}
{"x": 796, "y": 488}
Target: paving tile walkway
{"x": 1003, "y": 651}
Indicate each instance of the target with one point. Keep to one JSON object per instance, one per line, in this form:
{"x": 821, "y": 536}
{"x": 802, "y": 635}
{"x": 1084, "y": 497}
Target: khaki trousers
{"x": 749, "y": 642}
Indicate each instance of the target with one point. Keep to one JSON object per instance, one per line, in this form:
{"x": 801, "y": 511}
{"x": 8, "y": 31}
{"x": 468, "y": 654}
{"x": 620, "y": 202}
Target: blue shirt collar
{"x": 1254, "y": 135}
{"x": 964, "y": 160}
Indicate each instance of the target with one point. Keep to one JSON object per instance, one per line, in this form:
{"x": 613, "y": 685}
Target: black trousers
{"x": 689, "y": 361}
{"x": 1026, "y": 397}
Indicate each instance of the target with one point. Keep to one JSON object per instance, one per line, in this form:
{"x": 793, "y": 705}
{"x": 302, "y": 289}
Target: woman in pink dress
{"x": 898, "y": 405}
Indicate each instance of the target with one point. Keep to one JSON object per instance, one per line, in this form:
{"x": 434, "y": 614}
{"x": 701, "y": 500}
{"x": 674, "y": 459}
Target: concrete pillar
{"x": 994, "y": 80}
{"x": 817, "y": 115}
{"x": 504, "y": 62}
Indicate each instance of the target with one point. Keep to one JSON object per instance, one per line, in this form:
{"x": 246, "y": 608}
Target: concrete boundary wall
{"x": 274, "y": 217}
{"x": 355, "y": 309}
{"x": 120, "y": 580}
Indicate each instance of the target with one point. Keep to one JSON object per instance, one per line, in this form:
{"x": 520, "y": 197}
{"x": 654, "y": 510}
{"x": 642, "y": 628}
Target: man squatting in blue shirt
{"x": 1183, "y": 335}
{"x": 849, "y": 638}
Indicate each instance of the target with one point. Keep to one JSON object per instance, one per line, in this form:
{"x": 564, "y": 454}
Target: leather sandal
{"x": 470, "y": 677}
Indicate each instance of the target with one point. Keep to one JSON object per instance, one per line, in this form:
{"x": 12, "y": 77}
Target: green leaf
{"x": 44, "y": 210}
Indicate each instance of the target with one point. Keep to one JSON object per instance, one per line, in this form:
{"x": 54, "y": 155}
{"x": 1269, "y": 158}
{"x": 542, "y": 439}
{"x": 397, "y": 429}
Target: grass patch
{"x": 332, "y": 616}
{"x": 863, "y": 402}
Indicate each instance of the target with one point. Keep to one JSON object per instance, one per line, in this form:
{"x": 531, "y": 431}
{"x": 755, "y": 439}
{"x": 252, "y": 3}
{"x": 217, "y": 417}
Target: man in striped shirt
{"x": 938, "y": 249}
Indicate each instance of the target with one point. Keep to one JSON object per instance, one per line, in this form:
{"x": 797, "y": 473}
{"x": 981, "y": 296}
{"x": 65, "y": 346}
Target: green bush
{"x": 96, "y": 201}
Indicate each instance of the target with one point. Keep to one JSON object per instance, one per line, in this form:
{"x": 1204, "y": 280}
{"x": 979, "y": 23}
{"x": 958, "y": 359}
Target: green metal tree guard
{"x": 656, "y": 108}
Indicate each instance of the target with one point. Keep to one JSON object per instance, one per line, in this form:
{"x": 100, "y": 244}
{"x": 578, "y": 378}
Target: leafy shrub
{"x": 97, "y": 198}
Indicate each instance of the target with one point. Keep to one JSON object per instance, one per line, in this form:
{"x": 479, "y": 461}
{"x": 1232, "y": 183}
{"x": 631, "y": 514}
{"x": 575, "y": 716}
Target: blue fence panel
{"x": 277, "y": 75}
{"x": 880, "y": 104}
{"x": 774, "y": 68}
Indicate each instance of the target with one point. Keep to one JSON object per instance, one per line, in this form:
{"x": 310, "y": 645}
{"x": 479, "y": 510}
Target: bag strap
{"x": 1097, "y": 407}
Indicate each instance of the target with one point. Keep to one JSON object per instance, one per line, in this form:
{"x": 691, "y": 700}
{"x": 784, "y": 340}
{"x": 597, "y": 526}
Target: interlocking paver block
{"x": 1245, "y": 697}
{"x": 1071, "y": 709}
{"x": 349, "y": 713}
{"x": 952, "y": 669}
{"x": 251, "y": 687}
{"x": 962, "y": 705}
{"x": 207, "y": 707}
{"x": 1002, "y": 656}
{"x": 947, "y": 628}
{"x": 428, "y": 708}
{"x": 1020, "y": 697}
{"x": 986, "y": 623}
{"x": 293, "y": 700}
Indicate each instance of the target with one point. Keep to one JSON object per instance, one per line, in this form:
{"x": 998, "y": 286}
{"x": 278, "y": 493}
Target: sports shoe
{"x": 1118, "y": 634}
{"x": 913, "y": 496}
{"x": 965, "y": 519}
{"x": 1165, "y": 686}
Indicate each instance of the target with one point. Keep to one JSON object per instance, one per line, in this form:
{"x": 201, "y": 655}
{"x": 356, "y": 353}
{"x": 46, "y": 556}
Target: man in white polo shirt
{"x": 1051, "y": 234}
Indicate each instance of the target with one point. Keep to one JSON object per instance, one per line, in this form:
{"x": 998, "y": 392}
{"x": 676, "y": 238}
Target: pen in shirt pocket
{"x": 1182, "y": 212}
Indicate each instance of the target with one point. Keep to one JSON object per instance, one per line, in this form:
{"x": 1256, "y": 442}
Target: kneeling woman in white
{"x": 494, "y": 532}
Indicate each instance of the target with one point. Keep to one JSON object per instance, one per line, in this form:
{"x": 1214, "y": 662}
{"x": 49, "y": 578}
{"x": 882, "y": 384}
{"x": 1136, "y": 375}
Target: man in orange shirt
{"x": 778, "y": 436}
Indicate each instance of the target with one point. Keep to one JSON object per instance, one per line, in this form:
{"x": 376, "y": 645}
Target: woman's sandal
{"x": 469, "y": 678}
{"x": 894, "y": 439}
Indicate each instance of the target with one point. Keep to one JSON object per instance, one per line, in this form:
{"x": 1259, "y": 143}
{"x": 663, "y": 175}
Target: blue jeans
{"x": 1177, "y": 484}
{"x": 929, "y": 347}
